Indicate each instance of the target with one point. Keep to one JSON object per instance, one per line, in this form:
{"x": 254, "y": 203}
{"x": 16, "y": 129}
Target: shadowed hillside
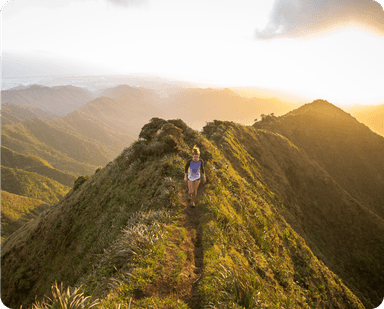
{"x": 333, "y": 223}
{"x": 141, "y": 247}
{"x": 348, "y": 150}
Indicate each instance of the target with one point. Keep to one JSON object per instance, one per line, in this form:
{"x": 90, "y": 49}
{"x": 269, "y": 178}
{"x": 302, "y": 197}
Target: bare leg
{"x": 195, "y": 187}
{"x": 190, "y": 188}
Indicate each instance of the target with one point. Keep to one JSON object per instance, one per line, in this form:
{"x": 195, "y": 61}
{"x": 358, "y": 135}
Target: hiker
{"x": 193, "y": 169}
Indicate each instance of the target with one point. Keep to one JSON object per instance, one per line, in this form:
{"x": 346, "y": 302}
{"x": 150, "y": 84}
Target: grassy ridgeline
{"x": 121, "y": 235}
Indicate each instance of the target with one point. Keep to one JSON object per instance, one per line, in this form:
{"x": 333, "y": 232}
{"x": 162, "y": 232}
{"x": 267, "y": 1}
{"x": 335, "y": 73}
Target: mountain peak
{"x": 322, "y": 110}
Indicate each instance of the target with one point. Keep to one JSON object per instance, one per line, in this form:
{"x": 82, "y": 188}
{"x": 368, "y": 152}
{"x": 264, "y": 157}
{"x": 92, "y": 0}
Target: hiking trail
{"x": 192, "y": 223}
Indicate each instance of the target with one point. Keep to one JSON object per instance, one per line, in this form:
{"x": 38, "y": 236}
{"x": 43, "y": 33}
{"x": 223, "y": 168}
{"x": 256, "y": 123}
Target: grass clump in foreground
{"x": 68, "y": 299}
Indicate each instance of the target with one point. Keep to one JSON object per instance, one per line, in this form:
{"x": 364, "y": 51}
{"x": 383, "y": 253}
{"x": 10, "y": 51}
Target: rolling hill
{"x": 20, "y": 182}
{"x": 86, "y": 138}
{"x": 12, "y": 113}
{"x": 123, "y": 115}
{"x": 272, "y": 228}
{"x": 65, "y": 150}
{"x": 36, "y": 165}
{"x": 17, "y": 210}
{"x": 57, "y": 100}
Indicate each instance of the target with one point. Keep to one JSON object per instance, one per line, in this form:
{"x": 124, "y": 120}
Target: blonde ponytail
{"x": 195, "y": 150}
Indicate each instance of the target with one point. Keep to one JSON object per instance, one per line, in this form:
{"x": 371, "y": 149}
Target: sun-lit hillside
{"x": 244, "y": 245}
{"x": 17, "y": 210}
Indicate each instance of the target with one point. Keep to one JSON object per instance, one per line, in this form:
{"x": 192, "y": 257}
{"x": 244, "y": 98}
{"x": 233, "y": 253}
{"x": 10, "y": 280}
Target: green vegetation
{"x": 122, "y": 235}
{"x": 17, "y": 210}
{"x": 32, "y": 185}
{"x": 34, "y": 164}
{"x": 65, "y": 150}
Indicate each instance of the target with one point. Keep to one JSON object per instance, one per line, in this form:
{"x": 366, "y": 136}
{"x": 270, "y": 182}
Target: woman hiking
{"x": 193, "y": 170}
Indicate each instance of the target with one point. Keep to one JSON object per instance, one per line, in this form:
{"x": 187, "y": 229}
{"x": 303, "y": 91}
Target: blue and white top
{"x": 193, "y": 169}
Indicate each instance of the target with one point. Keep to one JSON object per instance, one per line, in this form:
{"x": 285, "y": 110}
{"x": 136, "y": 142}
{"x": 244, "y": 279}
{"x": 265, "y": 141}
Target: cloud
{"x": 130, "y": 3}
{"x": 308, "y": 18}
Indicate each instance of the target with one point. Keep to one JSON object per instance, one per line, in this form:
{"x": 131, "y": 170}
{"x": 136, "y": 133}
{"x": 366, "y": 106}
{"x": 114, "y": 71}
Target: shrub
{"x": 79, "y": 181}
{"x": 149, "y": 130}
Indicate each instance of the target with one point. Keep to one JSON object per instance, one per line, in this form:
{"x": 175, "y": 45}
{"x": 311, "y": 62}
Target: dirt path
{"x": 192, "y": 223}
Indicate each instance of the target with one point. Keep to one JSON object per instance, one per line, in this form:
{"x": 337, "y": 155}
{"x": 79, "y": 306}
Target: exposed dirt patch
{"x": 193, "y": 226}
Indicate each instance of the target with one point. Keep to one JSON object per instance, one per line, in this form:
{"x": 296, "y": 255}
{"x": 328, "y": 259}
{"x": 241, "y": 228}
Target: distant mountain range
{"x": 12, "y": 113}
{"x": 290, "y": 216}
{"x": 58, "y": 101}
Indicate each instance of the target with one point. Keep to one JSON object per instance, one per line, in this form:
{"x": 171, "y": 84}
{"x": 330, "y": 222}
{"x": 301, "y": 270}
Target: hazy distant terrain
{"x": 372, "y": 116}
{"x": 58, "y": 100}
{"x": 12, "y": 113}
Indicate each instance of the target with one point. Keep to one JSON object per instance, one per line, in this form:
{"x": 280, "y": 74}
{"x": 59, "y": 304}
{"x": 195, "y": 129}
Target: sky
{"x": 330, "y": 50}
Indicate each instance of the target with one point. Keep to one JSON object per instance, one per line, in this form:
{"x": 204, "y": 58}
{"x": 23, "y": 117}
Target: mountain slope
{"x": 58, "y": 100}
{"x": 36, "y": 165}
{"x": 348, "y": 150}
{"x": 372, "y": 116}
{"x": 123, "y": 115}
{"x": 332, "y": 222}
{"x": 138, "y": 247}
{"x": 32, "y": 185}
{"x": 12, "y": 113}
{"x": 17, "y": 210}
{"x": 65, "y": 150}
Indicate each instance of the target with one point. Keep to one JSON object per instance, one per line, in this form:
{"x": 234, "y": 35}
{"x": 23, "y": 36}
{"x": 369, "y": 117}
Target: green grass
{"x": 34, "y": 164}
{"x": 17, "y": 210}
{"x": 121, "y": 236}
{"x": 32, "y": 185}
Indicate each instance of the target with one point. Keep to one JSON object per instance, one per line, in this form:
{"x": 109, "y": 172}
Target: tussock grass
{"x": 65, "y": 299}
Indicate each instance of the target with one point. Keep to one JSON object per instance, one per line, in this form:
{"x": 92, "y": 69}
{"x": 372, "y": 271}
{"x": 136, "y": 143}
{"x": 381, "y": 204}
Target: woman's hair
{"x": 195, "y": 150}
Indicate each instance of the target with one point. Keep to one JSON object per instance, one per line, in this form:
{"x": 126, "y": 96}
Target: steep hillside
{"x": 58, "y": 100}
{"x": 36, "y": 165}
{"x": 65, "y": 150}
{"x": 17, "y": 210}
{"x": 332, "y": 222}
{"x": 372, "y": 116}
{"x": 348, "y": 150}
{"x": 32, "y": 185}
{"x": 13, "y": 113}
{"x": 142, "y": 247}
